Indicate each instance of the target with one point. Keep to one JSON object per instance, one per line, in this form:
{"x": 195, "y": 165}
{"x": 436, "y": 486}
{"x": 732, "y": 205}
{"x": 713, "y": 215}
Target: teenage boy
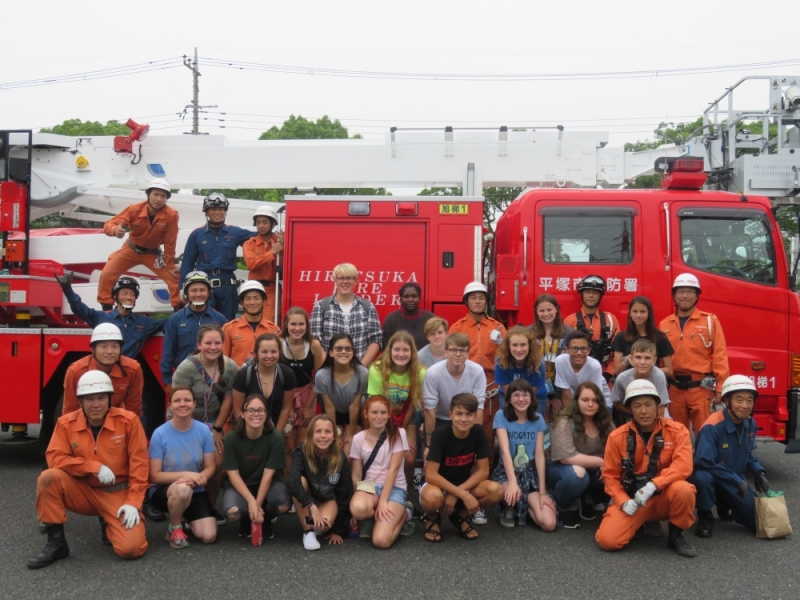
{"x": 643, "y": 360}
{"x": 457, "y": 472}
{"x": 576, "y": 367}
{"x": 240, "y": 334}
{"x": 601, "y": 330}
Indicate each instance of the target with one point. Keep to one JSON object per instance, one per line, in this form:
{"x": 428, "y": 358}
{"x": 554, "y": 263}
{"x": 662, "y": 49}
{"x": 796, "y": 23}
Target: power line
{"x": 156, "y": 65}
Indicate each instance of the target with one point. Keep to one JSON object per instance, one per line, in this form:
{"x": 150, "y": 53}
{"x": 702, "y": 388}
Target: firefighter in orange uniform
{"x": 150, "y": 224}
{"x": 259, "y": 255}
{"x": 125, "y": 373}
{"x": 485, "y": 335}
{"x": 98, "y": 465}
{"x": 700, "y": 362}
{"x": 645, "y": 467}
{"x": 240, "y": 334}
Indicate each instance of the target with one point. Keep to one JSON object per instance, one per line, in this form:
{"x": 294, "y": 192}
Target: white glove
{"x": 106, "y": 475}
{"x": 496, "y": 336}
{"x": 630, "y": 507}
{"x": 643, "y": 495}
{"x": 130, "y": 516}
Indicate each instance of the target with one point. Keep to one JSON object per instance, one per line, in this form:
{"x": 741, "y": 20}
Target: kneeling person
{"x": 457, "y": 472}
{"x": 724, "y": 453}
{"x": 181, "y": 463}
{"x": 646, "y": 464}
{"x": 97, "y": 461}
{"x": 254, "y": 459}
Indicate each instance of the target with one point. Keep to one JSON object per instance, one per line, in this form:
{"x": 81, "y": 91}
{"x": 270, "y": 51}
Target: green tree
{"x": 76, "y": 127}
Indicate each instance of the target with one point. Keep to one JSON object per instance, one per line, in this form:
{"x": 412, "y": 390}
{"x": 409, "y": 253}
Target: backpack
{"x": 325, "y": 304}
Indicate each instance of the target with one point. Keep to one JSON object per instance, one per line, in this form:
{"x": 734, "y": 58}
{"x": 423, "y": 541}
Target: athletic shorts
{"x": 199, "y": 508}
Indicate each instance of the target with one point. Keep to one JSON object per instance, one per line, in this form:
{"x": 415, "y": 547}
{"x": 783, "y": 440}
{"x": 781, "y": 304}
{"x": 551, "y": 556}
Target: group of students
{"x": 242, "y": 404}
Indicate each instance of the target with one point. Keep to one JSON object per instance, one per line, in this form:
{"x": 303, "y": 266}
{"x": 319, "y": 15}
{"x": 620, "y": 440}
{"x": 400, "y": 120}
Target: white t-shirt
{"x": 567, "y": 379}
{"x": 379, "y": 468}
{"x": 439, "y": 387}
{"x": 346, "y": 308}
{"x": 624, "y": 379}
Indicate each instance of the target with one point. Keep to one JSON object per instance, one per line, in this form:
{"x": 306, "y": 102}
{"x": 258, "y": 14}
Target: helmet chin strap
{"x": 198, "y": 304}
{"x": 127, "y": 306}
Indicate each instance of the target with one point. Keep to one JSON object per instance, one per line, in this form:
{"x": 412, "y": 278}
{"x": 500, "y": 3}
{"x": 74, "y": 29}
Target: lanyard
{"x": 261, "y": 387}
{"x": 207, "y": 395}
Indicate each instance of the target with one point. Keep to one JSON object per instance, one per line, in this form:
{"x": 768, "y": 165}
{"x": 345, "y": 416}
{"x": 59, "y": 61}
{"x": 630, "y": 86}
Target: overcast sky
{"x": 43, "y": 39}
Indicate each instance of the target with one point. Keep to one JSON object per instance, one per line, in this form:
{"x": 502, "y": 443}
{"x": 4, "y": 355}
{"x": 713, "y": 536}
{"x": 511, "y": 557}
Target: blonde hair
{"x": 433, "y": 324}
{"x": 334, "y": 458}
{"x": 345, "y": 269}
{"x": 385, "y": 367}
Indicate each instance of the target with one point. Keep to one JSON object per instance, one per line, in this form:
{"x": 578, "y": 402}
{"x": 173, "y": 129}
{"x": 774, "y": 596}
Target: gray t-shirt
{"x": 567, "y": 379}
{"x": 624, "y": 379}
{"x": 342, "y": 395}
{"x": 426, "y": 357}
{"x": 439, "y": 387}
{"x": 208, "y": 404}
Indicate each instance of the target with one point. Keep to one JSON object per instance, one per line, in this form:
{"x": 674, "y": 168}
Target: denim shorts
{"x": 398, "y": 494}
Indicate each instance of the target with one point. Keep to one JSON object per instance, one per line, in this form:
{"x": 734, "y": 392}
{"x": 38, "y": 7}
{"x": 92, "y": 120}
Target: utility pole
{"x": 193, "y": 67}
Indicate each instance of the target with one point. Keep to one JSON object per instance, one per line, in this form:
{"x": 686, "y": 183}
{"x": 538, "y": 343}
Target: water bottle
{"x": 354, "y": 528}
{"x": 256, "y": 535}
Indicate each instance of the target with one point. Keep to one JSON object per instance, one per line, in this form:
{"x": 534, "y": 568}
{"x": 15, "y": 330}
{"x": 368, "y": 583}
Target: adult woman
{"x": 319, "y": 481}
{"x": 436, "y": 332}
{"x": 409, "y": 317}
{"x": 266, "y": 376}
{"x": 398, "y": 376}
{"x": 210, "y": 375}
{"x": 181, "y": 466}
{"x": 521, "y": 469}
{"x": 342, "y": 383}
{"x": 382, "y": 493}
{"x": 519, "y": 357}
{"x": 577, "y": 443}
{"x": 254, "y": 459}
{"x": 303, "y": 355}
{"x": 641, "y": 324}
{"x": 550, "y": 334}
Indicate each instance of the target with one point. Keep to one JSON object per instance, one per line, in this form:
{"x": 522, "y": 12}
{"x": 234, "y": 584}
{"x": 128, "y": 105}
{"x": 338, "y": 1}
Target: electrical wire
{"x": 157, "y": 65}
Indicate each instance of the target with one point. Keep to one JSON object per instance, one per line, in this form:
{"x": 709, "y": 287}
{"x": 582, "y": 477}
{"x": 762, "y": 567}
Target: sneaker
{"x": 599, "y": 508}
{"x": 245, "y": 528}
{"x": 221, "y": 520}
{"x": 273, "y": 520}
{"x": 409, "y": 511}
{"x": 507, "y": 517}
{"x": 310, "y": 541}
{"x": 177, "y": 538}
{"x": 570, "y": 519}
{"x": 292, "y": 509}
{"x": 266, "y": 532}
{"x": 408, "y": 529}
{"x": 479, "y": 518}
{"x": 365, "y": 531}
{"x": 419, "y": 478}
{"x": 585, "y": 511}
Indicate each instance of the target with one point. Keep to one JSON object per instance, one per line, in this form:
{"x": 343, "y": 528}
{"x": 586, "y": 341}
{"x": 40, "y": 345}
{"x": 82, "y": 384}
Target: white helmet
{"x": 641, "y": 387}
{"x": 106, "y": 332}
{"x": 265, "y": 211}
{"x": 686, "y": 280}
{"x": 94, "y": 382}
{"x": 474, "y": 286}
{"x": 252, "y": 286}
{"x": 736, "y": 383}
{"x": 159, "y": 184}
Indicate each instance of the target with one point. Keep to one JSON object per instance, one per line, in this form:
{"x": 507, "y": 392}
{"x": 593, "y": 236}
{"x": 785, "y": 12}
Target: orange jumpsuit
{"x": 692, "y": 357}
{"x": 482, "y": 350}
{"x": 260, "y": 259}
{"x": 127, "y": 388}
{"x": 594, "y": 330}
{"x": 240, "y": 339}
{"x": 74, "y": 458}
{"x": 675, "y": 497}
{"x": 146, "y": 234}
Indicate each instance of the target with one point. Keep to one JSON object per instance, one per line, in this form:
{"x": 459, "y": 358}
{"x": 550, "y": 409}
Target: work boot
{"x": 152, "y": 513}
{"x": 705, "y": 524}
{"x": 55, "y": 549}
{"x": 103, "y": 536}
{"x": 676, "y": 541}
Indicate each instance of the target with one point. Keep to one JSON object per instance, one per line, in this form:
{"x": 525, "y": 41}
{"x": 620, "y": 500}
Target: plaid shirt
{"x": 362, "y": 325}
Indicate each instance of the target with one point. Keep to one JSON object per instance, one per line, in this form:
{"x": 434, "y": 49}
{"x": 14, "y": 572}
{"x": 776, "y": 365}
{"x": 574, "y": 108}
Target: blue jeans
{"x": 711, "y": 491}
{"x": 568, "y": 487}
{"x": 396, "y": 495}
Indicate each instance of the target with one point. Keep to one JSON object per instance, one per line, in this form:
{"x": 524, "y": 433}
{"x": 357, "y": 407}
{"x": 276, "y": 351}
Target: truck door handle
{"x": 448, "y": 260}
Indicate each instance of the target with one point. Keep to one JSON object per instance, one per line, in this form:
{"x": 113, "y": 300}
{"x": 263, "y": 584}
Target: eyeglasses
{"x": 458, "y": 351}
{"x": 342, "y": 348}
{"x": 578, "y": 349}
{"x": 345, "y": 279}
{"x": 255, "y": 411}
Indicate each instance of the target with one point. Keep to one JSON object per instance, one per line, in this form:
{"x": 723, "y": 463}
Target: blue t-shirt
{"x": 536, "y": 378}
{"x": 521, "y": 438}
{"x": 181, "y": 450}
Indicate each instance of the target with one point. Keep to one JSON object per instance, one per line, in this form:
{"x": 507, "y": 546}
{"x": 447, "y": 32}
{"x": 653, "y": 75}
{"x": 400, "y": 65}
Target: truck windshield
{"x": 588, "y": 238}
{"x": 734, "y": 244}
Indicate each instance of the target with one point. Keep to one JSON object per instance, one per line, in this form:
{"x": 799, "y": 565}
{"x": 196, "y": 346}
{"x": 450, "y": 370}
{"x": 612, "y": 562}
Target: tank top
{"x": 303, "y": 368}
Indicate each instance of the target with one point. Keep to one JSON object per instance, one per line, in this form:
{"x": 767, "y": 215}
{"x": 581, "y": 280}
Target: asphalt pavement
{"x": 503, "y": 563}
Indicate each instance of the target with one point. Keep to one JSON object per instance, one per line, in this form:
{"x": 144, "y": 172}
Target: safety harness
{"x": 600, "y": 348}
{"x": 630, "y": 481}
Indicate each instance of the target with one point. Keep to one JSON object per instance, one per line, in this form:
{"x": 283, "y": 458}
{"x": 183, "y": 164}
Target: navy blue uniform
{"x": 213, "y": 251}
{"x": 724, "y": 452}
{"x": 180, "y": 337}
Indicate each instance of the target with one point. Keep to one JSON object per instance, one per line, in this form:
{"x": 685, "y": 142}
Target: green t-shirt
{"x": 251, "y": 457}
{"x": 398, "y": 386}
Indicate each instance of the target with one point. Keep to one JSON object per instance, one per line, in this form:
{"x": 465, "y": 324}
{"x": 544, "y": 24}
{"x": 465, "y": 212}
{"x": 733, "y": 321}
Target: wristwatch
{"x": 217, "y": 429}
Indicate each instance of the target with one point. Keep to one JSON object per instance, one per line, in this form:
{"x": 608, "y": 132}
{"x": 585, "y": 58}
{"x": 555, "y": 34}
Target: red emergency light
{"x": 682, "y": 173}
{"x": 124, "y": 143}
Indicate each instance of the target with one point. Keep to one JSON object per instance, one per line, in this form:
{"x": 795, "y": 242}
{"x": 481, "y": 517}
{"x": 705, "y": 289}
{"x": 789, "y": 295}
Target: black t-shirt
{"x": 284, "y": 382}
{"x": 457, "y": 456}
{"x": 663, "y": 347}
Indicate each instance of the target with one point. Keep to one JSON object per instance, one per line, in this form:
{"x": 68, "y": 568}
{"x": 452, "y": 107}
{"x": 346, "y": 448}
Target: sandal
{"x": 458, "y": 522}
{"x": 437, "y": 534}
